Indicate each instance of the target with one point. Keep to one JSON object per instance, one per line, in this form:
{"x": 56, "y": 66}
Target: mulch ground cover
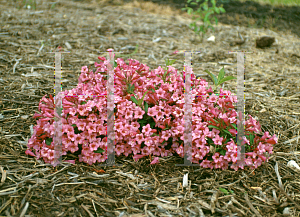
{"x": 29, "y": 187}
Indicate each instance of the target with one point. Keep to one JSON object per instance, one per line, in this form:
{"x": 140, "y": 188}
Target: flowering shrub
{"x": 147, "y": 122}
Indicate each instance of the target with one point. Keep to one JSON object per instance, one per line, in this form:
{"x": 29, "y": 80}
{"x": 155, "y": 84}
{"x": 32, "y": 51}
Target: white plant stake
{"x": 58, "y": 108}
{"x": 185, "y": 180}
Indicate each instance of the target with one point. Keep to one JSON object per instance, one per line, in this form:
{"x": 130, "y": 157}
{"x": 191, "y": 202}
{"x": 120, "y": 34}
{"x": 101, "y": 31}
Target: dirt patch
{"x": 272, "y": 96}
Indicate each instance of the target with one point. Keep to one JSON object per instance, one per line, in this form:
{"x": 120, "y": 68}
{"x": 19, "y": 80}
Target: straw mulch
{"x": 29, "y": 187}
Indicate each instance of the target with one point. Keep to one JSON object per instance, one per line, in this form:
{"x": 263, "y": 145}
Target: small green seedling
{"x": 220, "y": 79}
{"x": 204, "y": 15}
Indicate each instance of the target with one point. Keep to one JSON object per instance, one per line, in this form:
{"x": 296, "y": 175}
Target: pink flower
{"x": 205, "y": 163}
{"x": 231, "y": 147}
{"x": 228, "y": 156}
{"x": 175, "y": 52}
{"x": 218, "y": 164}
{"x": 119, "y": 149}
{"x": 233, "y": 157}
{"x": 272, "y": 140}
{"x": 128, "y": 114}
{"x": 72, "y": 136}
{"x": 81, "y": 125}
{"x": 78, "y": 140}
{"x": 235, "y": 167}
{"x": 163, "y": 152}
{"x": 127, "y": 151}
{"x": 89, "y": 159}
{"x": 139, "y": 138}
{"x": 265, "y": 136}
{"x": 68, "y": 129}
{"x": 218, "y": 140}
{"x": 261, "y": 148}
{"x": 147, "y": 130}
{"x": 28, "y": 152}
{"x": 155, "y": 160}
{"x": 93, "y": 146}
{"x": 135, "y": 150}
{"x": 72, "y": 111}
{"x": 73, "y": 148}
{"x": 257, "y": 162}
{"x": 148, "y": 141}
{"x": 81, "y": 110}
{"x": 91, "y": 128}
{"x": 92, "y": 118}
{"x": 152, "y": 112}
{"x": 70, "y": 161}
{"x": 148, "y": 149}
{"x": 138, "y": 156}
{"x": 199, "y": 156}
{"x": 217, "y": 157}
{"x": 249, "y": 161}
{"x": 180, "y": 151}
{"x": 138, "y": 113}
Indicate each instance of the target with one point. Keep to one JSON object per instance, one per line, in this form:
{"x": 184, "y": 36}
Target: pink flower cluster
{"x": 156, "y": 130}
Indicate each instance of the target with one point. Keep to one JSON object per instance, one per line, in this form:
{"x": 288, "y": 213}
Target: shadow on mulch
{"x": 249, "y": 14}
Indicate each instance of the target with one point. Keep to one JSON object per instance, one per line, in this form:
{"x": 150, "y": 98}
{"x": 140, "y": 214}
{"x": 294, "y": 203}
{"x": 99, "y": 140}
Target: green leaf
{"x": 115, "y": 65}
{"x": 193, "y": 3}
{"x": 221, "y": 75}
{"x": 99, "y": 150}
{"x": 171, "y": 62}
{"x": 217, "y": 10}
{"x": 227, "y": 79}
{"x": 222, "y": 152}
{"x": 211, "y": 126}
{"x": 152, "y": 90}
{"x": 224, "y": 191}
{"x": 83, "y": 103}
{"x": 132, "y": 88}
{"x": 215, "y": 80}
{"x": 226, "y": 131}
{"x": 222, "y": 10}
{"x": 134, "y": 100}
{"x": 190, "y": 10}
{"x": 141, "y": 100}
{"x": 251, "y": 139}
{"x": 206, "y": 17}
{"x": 234, "y": 125}
{"x": 216, "y": 19}
{"x": 152, "y": 124}
{"x": 142, "y": 121}
{"x": 199, "y": 18}
{"x": 167, "y": 62}
{"x": 164, "y": 76}
{"x": 48, "y": 141}
{"x": 146, "y": 107}
{"x": 192, "y": 24}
